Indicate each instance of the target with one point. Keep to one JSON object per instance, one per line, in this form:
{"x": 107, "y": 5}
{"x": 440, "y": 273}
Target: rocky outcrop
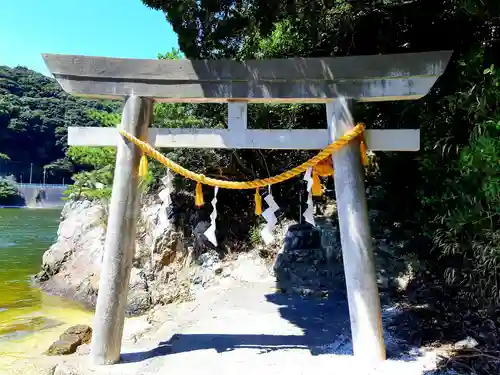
{"x": 308, "y": 259}
{"x": 71, "y": 266}
{"x": 305, "y": 262}
{"x": 172, "y": 265}
{"x": 161, "y": 270}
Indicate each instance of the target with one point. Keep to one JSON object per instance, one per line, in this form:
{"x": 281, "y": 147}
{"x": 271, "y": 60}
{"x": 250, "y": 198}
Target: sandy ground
{"x": 249, "y": 328}
{"x": 241, "y": 326}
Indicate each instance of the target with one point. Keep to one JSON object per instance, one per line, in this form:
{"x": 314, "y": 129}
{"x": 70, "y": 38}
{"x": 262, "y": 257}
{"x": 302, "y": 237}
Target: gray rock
{"x": 70, "y": 340}
{"x": 209, "y": 260}
{"x": 83, "y": 349}
{"x": 467, "y": 343}
{"x": 139, "y": 299}
{"x": 82, "y": 331}
{"x": 71, "y": 267}
{"x": 63, "y": 347}
{"x": 310, "y": 257}
{"x": 383, "y": 281}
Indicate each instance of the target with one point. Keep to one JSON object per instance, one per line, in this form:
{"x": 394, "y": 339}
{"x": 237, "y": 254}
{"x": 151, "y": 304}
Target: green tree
{"x": 34, "y": 116}
{"x": 9, "y": 193}
{"x": 174, "y": 54}
{"x": 449, "y": 209}
{"x": 95, "y": 179}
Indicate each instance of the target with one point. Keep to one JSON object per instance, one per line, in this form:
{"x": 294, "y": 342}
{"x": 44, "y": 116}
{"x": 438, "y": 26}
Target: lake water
{"x": 29, "y": 319}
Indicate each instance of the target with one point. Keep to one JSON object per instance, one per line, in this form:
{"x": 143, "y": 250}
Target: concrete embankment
{"x": 42, "y": 196}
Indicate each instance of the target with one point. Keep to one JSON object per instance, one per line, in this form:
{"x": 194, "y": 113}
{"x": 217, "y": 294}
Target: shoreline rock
{"x": 173, "y": 264}
{"x": 70, "y": 340}
{"x": 166, "y": 266}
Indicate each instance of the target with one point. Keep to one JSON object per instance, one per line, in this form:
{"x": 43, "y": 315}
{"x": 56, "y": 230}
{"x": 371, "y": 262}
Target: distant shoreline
{"x": 34, "y": 207}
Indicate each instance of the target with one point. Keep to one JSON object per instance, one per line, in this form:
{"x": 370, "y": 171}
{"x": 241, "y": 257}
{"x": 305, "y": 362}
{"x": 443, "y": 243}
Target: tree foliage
{"x": 9, "y": 193}
{"x": 444, "y": 205}
{"x": 447, "y": 199}
{"x": 96, "y": 164}
{"x": 34, "y": 116}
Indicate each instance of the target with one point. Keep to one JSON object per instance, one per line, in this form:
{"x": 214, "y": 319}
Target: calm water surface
{"x": 25, "y": 234}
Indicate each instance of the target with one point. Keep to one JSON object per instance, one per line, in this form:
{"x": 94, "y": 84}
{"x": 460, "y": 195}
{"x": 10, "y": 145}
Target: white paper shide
{"x": 210, "y": 232}
{"x": 269, "y": 214}
{"x": 309, "y": 211}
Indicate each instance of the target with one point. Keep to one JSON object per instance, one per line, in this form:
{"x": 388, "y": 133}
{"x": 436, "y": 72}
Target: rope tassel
{"x": 317, "y": 189}
{"x": 143, "y": 166}
{"x": 309, "y": 211}
{"x": 363, "y": 150}
{"x": 198, "y": 201}
{"x": 258, "y": 202}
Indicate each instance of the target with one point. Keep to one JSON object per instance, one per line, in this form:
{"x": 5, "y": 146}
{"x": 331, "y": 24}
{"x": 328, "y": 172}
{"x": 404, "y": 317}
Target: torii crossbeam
{"x": 306, "y": 80}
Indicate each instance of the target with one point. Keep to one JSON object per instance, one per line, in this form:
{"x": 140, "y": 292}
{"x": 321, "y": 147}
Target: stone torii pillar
{"x": 306, "y": 80}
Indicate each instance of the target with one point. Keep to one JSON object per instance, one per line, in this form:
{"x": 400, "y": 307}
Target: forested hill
{"x": 34, "y": 116}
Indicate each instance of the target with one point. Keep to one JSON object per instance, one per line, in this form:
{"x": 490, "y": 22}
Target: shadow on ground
{"x": 321, "y": 319}
{"x": 309, "y": 271}
{"x": 316, "y": 305}
{"x": 434, "y": 314}
{"x": 312, "y": 297}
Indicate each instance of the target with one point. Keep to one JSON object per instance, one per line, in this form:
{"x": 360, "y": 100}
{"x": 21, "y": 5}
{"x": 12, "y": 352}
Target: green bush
{"x": 9, "y": 193}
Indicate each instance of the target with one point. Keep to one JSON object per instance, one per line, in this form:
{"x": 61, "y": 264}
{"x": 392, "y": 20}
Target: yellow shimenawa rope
{"x": 357, "y": 131}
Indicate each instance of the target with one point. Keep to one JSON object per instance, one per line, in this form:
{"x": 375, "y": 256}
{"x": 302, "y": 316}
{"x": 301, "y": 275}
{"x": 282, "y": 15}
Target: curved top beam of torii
{"x": 308, "y": 80}
{"x": 405, "y": 76}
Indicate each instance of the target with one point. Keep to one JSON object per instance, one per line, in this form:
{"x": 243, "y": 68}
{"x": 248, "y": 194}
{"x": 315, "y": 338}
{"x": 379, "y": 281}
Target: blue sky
{"x": 112, "y": 28}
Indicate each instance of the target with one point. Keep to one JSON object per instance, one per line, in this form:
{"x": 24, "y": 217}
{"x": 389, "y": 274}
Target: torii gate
{"x": 307, "y": 80}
